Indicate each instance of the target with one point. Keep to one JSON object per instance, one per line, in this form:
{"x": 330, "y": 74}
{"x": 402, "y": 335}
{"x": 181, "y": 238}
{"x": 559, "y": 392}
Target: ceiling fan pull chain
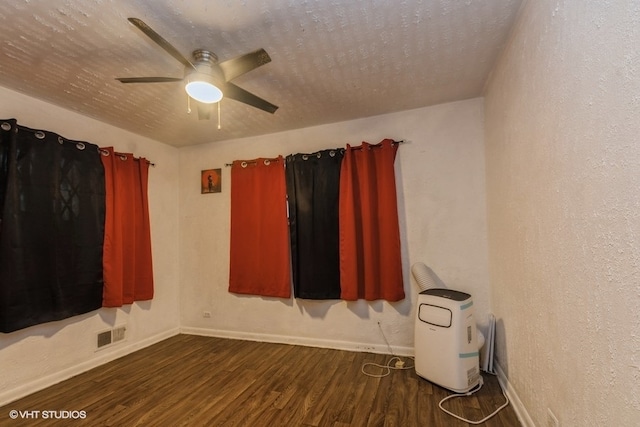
{"x": 219, "y": 126}
{"x": 188, "y": 104}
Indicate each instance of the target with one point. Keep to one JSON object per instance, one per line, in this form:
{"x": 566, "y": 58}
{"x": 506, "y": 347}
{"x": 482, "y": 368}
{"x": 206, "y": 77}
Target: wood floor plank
{"x": 264, "y": 375}
{"x": 344, "y": 397}
{"x": 397, "y": 403}
{"x": 309, "y": 386}
{"x": 191, "y": 380}
{"x": 330, "y": 382}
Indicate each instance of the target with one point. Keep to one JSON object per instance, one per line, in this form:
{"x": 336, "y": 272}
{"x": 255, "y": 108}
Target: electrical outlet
{"x": 552, "y": 420}
{"x": 206, "y": 314}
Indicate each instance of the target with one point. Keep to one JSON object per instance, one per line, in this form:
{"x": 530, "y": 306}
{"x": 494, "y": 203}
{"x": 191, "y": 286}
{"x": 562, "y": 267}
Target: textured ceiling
{"x": 332, "y": 60}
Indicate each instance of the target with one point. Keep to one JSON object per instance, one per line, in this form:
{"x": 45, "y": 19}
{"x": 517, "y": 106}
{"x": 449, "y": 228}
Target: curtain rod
{"x": 122, "y": 156}
{"x": 247, "y": 162}
{"x": 40, "y": 134}
{"x": 359, "y": 147}
{"x": 401, "y": 141}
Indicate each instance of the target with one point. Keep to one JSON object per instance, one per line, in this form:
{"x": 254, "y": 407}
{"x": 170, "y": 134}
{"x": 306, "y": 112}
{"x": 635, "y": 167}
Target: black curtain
{"x": 52, "y": 200}
{"x": 313, "y": 184}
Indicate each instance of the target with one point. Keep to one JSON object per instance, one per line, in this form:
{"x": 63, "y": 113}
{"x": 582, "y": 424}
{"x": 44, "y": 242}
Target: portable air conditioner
{"x": 446, "y": 349}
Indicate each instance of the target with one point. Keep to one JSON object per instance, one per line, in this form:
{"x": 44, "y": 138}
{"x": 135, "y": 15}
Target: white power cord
{"x": 469, "y": 394}
{"x": 399, "y": 365}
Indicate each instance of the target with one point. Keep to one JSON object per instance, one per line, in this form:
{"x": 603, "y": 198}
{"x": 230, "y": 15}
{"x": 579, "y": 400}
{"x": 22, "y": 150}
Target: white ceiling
{"x": 332, "y": 60}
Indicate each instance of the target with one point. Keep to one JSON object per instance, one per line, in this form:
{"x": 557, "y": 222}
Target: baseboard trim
{"x": 103, "y": 357}
{"x": 304, "y": 341}
{"x": 518, "y": 407}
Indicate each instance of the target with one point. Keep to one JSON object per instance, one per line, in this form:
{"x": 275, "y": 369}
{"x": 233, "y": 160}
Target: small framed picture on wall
{"x": 211, "y": 181}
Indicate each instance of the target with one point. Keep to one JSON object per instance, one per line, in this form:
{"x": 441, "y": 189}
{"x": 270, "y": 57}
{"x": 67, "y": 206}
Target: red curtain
{"x": 259, "y": 231}
{"x": 127, "y": 263}
{"x": 370, "y": 260}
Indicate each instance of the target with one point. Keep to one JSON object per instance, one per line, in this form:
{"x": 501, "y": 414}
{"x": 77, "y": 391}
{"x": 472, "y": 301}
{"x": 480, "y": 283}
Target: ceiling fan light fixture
{"x": 200, "y": 87}
{"x": 204, "y": 77}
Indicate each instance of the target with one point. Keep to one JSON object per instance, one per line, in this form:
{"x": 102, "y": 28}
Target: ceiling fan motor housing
{"x": 205, "y": 68}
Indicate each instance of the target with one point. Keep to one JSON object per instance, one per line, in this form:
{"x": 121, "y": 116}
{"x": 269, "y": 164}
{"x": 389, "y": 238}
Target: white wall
{"x": 38, "y": 356}
{"x": 440, "y": 178}
{"x": 563, "y": 176}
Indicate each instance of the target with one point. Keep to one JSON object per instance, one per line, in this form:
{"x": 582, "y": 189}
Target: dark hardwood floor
{"x": 201, "y": 381}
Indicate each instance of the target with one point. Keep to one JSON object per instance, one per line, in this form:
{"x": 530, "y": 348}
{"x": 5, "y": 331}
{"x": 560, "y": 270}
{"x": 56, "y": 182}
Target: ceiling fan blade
{"x": 234, "y": 92}
{"x": 157, "y": 38}
{"x": 235, "y": 67}
{"x": 204, "y": 111}
{"x": 148, "y": 79}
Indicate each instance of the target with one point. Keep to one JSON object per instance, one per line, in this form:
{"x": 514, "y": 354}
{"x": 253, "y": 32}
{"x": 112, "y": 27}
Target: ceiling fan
{"x": 206, "y": 79}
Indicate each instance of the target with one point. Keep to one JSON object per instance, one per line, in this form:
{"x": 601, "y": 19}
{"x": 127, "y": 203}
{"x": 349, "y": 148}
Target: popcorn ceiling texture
{"x": 562, "y": 116}
{"x": 333, "y": 60}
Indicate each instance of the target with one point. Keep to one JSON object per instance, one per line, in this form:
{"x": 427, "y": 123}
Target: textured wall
{"x": 40, "y": 355}
{"x": 440, "y": 179}
{"x": 563, "y": 160}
